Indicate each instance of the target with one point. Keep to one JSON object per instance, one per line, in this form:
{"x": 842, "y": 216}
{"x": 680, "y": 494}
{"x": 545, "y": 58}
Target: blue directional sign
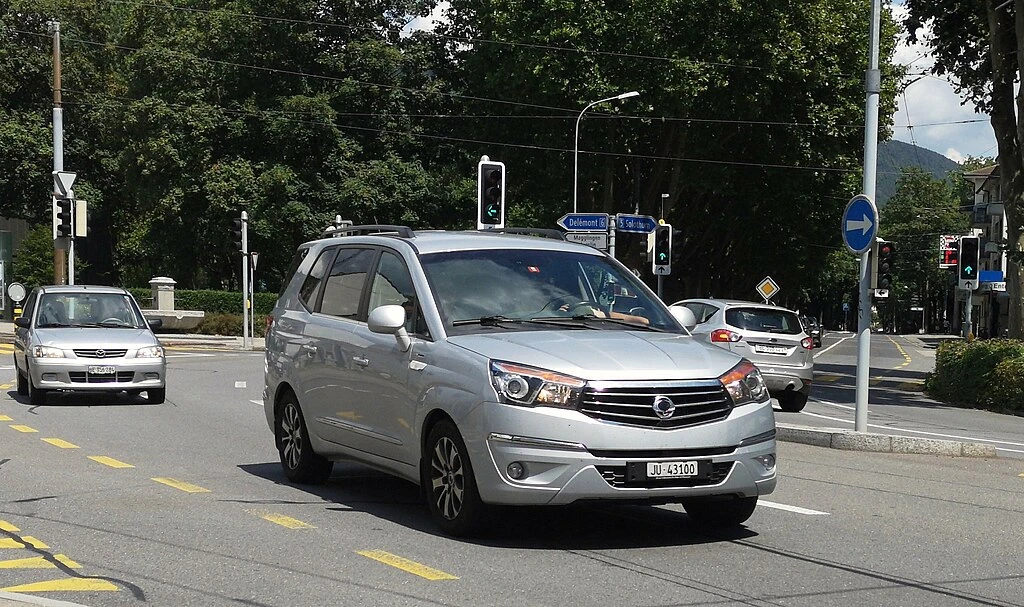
{"x": 637, "y": 224}
{"x": 584, "y": 222}
{"x": 860, "y": 223}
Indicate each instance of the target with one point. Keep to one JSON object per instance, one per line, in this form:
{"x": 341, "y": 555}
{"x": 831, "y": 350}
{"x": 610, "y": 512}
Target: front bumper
{"x": 600, "y": 465}
{"x": 73, "y": 374}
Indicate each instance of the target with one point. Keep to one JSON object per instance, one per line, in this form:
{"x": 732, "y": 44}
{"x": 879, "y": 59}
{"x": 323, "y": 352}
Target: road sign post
{"x": 859, "y": 226}
{"x": 767, "y": 288}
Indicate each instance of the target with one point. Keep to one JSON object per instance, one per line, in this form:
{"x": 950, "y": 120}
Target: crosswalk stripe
{"x": 56, "y": 442}
{"x": 67, "y": 584}
{"x": 109, "y": 461}
{"x": 22, "y": 542}
{"x": 39, "y": 562}
{"x": 21, "y": 428}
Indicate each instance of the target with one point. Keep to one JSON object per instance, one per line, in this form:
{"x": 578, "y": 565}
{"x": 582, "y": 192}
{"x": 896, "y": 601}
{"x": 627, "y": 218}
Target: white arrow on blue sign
{"x": 584, "y": 222}
{"x": 637, "y": 224}
{"x": 860, "y": 223}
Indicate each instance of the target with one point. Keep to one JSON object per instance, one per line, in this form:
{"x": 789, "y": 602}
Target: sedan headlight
{"x": 47, "y": 352}
{"x": 151, "y": 352}
{"x": 522, "y": 385}
{"x": 744, "y": 384}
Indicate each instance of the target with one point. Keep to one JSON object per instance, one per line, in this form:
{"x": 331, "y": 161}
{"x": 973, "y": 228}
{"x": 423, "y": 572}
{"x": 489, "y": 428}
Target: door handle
{"x": 359, "y": 360}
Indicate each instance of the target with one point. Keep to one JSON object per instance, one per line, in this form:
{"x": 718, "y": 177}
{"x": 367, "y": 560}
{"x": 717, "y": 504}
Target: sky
{"x": 930, "y": 112}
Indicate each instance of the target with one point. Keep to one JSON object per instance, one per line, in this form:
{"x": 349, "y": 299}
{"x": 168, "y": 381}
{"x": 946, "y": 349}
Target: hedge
{"x": 985, "y": 373}
{"x": 210, "y": 301}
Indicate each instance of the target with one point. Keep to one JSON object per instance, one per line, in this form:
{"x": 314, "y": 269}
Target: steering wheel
{"x": 569, "y": 304}
{"x": 112, "y": 320}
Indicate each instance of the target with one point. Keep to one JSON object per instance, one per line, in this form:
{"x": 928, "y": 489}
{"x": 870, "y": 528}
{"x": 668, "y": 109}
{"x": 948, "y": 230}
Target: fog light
{"x": 768, "y": 461}
{"x": 152, "y": 376}
{"x": 49, "y": 377}
{"x": 515, "y": 470}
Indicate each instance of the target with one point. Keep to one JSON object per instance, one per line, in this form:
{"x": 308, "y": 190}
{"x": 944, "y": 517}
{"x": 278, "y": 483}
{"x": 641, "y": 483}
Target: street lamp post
{"x": 576, "y": 148}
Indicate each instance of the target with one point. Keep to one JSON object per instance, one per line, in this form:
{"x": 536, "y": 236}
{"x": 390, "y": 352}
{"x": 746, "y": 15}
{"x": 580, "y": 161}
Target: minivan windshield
{"x": 540, "y": 289}
{"x": 68, "y": 309}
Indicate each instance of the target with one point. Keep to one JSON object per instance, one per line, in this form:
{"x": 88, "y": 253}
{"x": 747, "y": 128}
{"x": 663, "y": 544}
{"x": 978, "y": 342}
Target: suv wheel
{"x": 718, "y": 512}
{"x": 301, "y": 464}
{"x": 792, "y": 402}
{"x": 35, "y": 395}
{"x": 448, "y": 482}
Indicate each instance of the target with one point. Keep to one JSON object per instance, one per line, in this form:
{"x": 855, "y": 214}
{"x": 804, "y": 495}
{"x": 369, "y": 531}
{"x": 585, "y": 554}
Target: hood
{"x": 605, "y": 355}
{"x": 100, "y": 337}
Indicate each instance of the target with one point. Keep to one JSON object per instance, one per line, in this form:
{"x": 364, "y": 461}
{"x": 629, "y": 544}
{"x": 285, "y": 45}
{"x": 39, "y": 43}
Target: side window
{"x": 310, "y": 286}
{"x": 701, "y": 312}
{"x": 344, "y": 287}
{"x": 393, "y": 286}
{"x": 292, "y": 268}
{"x": 30, "y": 305}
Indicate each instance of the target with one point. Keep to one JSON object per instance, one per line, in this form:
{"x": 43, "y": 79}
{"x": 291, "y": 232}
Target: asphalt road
{"x": 112, "y": 502}
{"x": 896, "y": 403}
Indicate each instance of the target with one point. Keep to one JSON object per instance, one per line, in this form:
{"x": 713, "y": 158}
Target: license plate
{"x": 671, "y": 469}
{"x": 770, "y": 349}
{"x": 98, "y": 370}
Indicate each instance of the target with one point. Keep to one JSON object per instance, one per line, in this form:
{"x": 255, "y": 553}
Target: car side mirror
{"x": 154, "y": 323}
{"x": 684, "y": 315}
{"x": 390, "y": 320}
{"x": 23, "y": 322}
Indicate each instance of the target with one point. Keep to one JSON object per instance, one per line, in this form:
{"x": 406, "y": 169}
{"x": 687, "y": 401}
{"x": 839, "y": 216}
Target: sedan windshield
{"x": 87, "y": 310}
{"x": 496, "y": 288}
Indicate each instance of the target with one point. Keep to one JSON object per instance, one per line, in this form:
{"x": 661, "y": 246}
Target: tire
{"x": 719, "y": 512}
{"x": 449, "y": 485}
{"x": 301, "y": 464}
{"x": 156, "y": 396}
{"x": 22, "y": 381}
{"x": 35, "y": 395}
{"x": 792, "y": 402}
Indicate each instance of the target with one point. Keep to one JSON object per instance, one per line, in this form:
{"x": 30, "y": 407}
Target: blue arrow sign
{"x": 637, "y": 224}
{"x": 584, "y": 222}
{"x": 860, "y": 224}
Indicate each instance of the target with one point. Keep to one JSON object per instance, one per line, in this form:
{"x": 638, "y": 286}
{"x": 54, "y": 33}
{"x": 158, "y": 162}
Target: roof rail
{"x": 402, "y": 231}
{"x": 543, "y": 232}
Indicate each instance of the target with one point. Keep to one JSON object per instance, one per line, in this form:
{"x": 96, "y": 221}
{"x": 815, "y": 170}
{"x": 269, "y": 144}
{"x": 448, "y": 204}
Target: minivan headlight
{"x": 522, "y": 385}
{"x": 47, "y": 352}
{"x": 744, "y": 384}
{"x": 150, "y": 352}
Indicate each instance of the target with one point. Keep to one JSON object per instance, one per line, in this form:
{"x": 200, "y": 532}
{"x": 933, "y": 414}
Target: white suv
{"x": 495, "y": 368}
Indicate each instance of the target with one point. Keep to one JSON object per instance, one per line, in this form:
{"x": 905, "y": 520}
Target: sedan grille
{"x": 616, "y": 477}
{"x": 692, "y": 404}
{"x": 81, "y": 377}
{"x": 100, "y": 353}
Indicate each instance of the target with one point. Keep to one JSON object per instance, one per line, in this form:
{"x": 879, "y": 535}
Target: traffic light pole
{"x": 246, "y": 338}
{"x": 59, "y": 258}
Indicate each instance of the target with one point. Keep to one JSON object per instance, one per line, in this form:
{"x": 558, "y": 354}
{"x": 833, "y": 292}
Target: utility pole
{"x": 246, "y": 338}
{"x": 59, "y": 257}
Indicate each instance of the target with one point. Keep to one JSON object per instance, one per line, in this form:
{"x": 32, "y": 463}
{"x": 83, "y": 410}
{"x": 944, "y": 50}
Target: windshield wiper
{"x": 618, "y": 321}
{"x": 486, "y": 321}
{"x": 52, "y": 325}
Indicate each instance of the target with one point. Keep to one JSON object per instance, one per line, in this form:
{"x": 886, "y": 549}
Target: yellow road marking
{"x": 183, "y": 486}
{"x": 72, "y": 584}
{"x": 109, "y": 461}
{"x": 911, "y": 386}
{"x": 6, "y": 386}
{"x": 1021, "y": 475}
{"x": 828, "y": 377}
{"x": 22, "y": 542}
{"x": 5, "y": 418}
{"x": 406, "y": 565}
{"x": 21, "y": 428}
{"x": 874, "y": 382}
{"x": 280, "y": 519}
{"x": 56, "y": 442}
{"x": 39, "y": 562}
{"x": 5, "y": 526}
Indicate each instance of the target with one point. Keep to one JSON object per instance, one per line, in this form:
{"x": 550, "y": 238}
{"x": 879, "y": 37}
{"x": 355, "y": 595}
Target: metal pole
{"x": 576, "y": 145}
{"x": 872, "y": 87}
{"x": 71, "y": 242}
{"x": 614, "y": 219}
{"x": 246, "y": 344}
{"x": 59, "y": 258}
{"x": 661, "y": 285}
{"x": 967, "y": 314}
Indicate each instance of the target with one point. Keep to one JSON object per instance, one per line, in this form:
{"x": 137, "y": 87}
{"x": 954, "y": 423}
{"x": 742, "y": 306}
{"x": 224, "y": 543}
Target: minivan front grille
{"x": 692, "y": 404}
{"x": 616, "y": 477}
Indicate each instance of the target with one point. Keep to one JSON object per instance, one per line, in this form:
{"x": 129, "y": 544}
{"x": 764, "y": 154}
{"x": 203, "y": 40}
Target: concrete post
{"x": 163, "y": 292}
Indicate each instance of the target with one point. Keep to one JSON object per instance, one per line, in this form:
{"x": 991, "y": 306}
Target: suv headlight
{"x": 151, "y": 352}
{"x": 47, "y": 352}
{"x": 744, "y": 384}
{"x": 522, "y": 385}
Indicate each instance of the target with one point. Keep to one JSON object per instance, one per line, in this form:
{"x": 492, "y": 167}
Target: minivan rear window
{"x": 764, "y": 319}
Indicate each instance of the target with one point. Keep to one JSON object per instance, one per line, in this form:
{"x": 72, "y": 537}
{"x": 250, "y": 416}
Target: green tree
{"x": 978, "y": 45}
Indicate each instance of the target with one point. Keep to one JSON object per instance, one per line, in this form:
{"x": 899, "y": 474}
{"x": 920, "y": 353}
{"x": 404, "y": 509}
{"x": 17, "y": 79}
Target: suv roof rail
{"x": 544, "y": 232}
{"x": 402, "y": 231}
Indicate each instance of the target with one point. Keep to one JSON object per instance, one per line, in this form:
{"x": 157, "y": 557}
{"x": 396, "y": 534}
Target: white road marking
{"x": 7, "y": 368}
{"x": 819, "y": 352}
{"x": 256, "y": 402}
{"x": 188, "y": 355}
{"x": 239, "y": 384}
{"x": 973, "y": 439}
{"x": 788, "y": 508}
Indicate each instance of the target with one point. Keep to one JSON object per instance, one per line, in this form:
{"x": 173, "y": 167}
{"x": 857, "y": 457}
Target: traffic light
{"x": 236, "y": 233}
{"x": 490, "y": 194}
{"x": 661, "y": 261}
{"x": 64, "y": 212}
{"x": 885, "y": 252}
{"x": 967, "y": 263}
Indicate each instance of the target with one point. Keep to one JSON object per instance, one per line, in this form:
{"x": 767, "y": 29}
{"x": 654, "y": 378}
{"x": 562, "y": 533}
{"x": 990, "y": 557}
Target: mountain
{"x": 894, "y": 155}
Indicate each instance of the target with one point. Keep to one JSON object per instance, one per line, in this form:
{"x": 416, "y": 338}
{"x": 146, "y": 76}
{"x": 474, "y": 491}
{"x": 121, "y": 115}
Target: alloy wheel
{"x": 291, "y": 436}
{"x": 447, "y": 478}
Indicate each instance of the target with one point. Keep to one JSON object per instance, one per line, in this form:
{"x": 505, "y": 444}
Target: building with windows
{"x": 989, "y": 315}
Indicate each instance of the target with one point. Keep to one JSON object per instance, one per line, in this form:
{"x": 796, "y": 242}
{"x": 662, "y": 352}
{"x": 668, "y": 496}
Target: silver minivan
{"x": 497, "y": 368}
{"x": 771, "y": 337}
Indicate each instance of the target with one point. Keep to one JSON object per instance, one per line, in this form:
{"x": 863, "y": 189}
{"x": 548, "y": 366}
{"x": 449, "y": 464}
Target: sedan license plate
{"x": 98, "y": 370}
{"x": 671, "y": 469}
{"x": 770, "y": 349}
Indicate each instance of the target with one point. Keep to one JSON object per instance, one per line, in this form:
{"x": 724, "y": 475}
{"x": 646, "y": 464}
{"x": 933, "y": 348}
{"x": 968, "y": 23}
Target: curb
{"x": 10, "y": 599}
{"x": 848, "y": 440}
